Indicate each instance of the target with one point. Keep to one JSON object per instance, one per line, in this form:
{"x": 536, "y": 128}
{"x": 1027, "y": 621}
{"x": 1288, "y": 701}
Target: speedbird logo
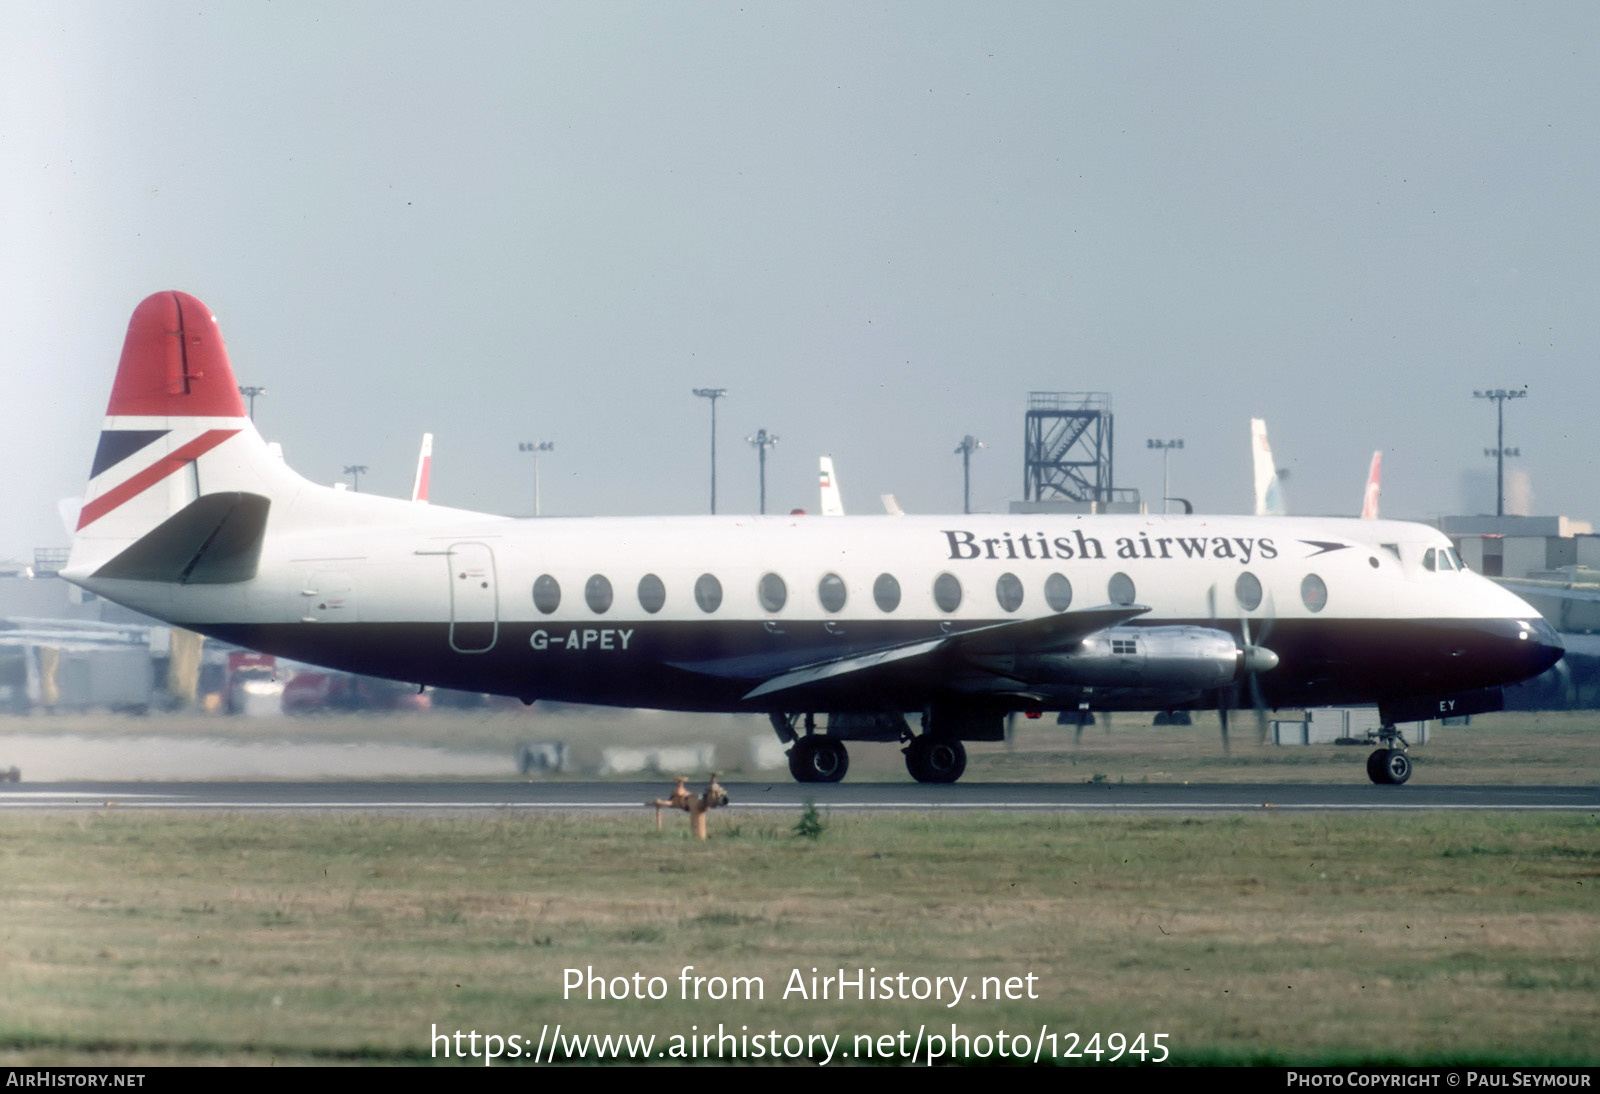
{"x": 965, "y": 546}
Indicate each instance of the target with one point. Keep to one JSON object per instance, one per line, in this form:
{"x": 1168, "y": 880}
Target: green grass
{"x": 162, "y": 938}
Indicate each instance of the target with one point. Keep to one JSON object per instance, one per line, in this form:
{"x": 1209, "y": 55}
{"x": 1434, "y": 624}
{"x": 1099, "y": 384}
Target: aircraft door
{"x": 474, "y": 598}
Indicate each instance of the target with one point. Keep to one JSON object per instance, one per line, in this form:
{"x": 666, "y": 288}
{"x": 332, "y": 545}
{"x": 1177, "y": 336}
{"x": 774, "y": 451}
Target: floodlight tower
{"x": 1166, "y": 482}
{"x": 1500, "y": 451}
{"x": 355, "y": 471}
{"x": 713, "y": 393}
{"x": 968, "y": 445}
{"x": 250, "y": 391}
{"x": 762, "y": 440}
{"x": 536, "y": 449}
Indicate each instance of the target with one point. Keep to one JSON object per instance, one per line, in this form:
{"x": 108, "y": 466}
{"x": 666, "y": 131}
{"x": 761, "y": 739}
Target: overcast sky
{"x": 878, "y": 226}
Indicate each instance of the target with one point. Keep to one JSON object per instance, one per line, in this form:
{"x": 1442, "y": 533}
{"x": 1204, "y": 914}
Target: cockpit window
{"x": 1429, "y": 559}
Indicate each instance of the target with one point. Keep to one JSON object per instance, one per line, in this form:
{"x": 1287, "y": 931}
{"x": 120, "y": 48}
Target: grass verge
{"x": 160, "y": 938}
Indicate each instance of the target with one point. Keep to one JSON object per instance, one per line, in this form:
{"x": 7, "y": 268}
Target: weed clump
{"x": 810, "y": 825}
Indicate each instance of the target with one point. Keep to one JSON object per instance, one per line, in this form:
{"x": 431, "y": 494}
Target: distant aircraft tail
{"x": 419, "y": 488}
{"x": 832, "y": 504}
{"x": 1369, "y": 504}
{"x": 1269, "y": 491}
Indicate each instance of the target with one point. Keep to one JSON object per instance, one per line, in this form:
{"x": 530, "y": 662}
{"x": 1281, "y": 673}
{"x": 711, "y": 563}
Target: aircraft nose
{"x": 1544, "y": 645}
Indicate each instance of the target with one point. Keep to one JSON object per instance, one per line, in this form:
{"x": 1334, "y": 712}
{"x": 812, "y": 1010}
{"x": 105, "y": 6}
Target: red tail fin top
{"x": 174, "y": 363}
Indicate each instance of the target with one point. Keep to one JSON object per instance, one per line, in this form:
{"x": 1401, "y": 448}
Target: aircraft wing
{"x": 1559, "y": 590}
{"x": 1014, "y": 636}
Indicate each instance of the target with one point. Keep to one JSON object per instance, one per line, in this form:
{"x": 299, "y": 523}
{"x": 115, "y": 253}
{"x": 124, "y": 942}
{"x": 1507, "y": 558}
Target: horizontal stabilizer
{"x": 1014, "y": 636}
{"x": 214, "y": 540}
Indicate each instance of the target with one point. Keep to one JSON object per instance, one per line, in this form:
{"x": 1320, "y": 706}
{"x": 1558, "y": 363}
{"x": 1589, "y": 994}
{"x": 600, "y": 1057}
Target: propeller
{"x": 1255, "y": 658}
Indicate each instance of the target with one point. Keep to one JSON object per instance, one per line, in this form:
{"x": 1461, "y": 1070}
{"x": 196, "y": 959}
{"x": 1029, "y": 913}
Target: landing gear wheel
{"x": 818, "y": 760}
{"x": 935, "y": 761}
{"x": 1389, "y": 767}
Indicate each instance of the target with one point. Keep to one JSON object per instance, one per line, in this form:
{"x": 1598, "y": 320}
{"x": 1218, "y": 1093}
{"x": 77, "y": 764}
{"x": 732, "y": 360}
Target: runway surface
{"x": 401, "y": 797}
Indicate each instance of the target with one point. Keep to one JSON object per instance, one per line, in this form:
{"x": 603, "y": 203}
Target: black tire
{"x": 935, "y": 761}
{"x": 1375, "y": 770}
{"x": 818, "y": 760}
{"x": 1396, "y": 767}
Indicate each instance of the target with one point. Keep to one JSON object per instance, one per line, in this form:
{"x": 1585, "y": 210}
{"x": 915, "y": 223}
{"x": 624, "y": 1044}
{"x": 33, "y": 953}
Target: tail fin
{"x": 419, "y": 488}
{"x": 1269, "y": 492}
{"x": 176, "y": 431}
{"x": 832, "y": 504}
{"x": 1369, "y": 503}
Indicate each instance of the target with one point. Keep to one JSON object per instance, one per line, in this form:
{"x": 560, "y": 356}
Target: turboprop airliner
{"x": 834, "y": 628}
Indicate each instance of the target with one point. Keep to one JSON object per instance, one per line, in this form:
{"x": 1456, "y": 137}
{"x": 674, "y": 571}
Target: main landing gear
{"x": 934, "y": 760}
{"x": 1389, "y": 765}
{"x": 818, "y": 759}
{"x": 818, "y": 755}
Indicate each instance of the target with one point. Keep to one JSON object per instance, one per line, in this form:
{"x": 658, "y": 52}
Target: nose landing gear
{"x": 1389, "y": 765}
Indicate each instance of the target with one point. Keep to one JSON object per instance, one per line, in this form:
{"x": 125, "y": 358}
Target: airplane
{"x": 961, "y": 619}
{"x": 833, "y": 504}
{"x": 1269, "y": 489}
{"x": 1369, "y": 500}
{"x": 419, "y": 485}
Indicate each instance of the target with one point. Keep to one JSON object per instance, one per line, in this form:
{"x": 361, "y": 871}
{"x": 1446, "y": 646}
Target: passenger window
{"x": 947, "y": 592}
{"x": 1057, "y": 593}
{"x": 772, "y": 592}
{"x": 831, "y": 592}
{"x": 708, "y": 593}
{"x": 546, "y": 594}
{"x": 1314, "y": 593}
{"x": 886, "y": 592}
{"x": 597, "y": 593}
{"x": 1120, "y": 589}
{"x": 652, "y": 593}
{"x": 1008, "y": 591}
{"x": 1248, "y": 590}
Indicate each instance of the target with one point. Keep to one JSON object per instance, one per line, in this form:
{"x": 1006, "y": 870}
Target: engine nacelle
{"x": 1177, "y": 659}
